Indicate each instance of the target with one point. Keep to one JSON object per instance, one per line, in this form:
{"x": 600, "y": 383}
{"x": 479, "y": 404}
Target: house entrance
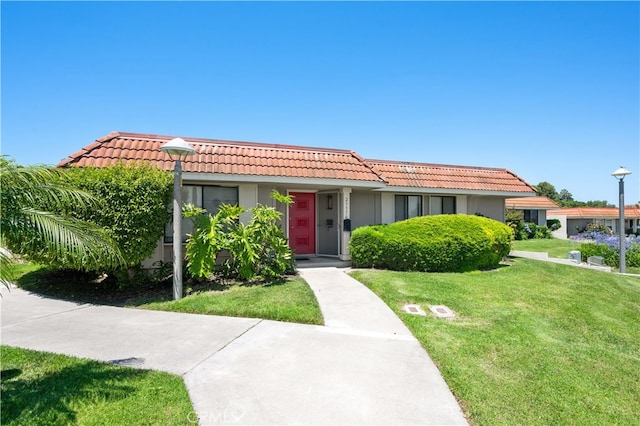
{"x": 328, "y": 226}
{"x": 302, "y": 223}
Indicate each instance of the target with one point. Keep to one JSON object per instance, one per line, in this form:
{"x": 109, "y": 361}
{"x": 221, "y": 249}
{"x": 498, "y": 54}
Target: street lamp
{"x": 620, "y": 174}
{"x": 177, "y": 149}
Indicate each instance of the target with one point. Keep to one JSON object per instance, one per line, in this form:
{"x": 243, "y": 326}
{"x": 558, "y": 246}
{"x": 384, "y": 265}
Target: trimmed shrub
{"x": 442, "y": 243}
{"x": 366, "y": 246}
{"x": 135, "y": 200}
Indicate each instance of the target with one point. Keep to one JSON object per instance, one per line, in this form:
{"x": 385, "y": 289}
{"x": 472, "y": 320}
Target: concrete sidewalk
{"x": 363, "y": 367}
{"x": 545, "y": 257}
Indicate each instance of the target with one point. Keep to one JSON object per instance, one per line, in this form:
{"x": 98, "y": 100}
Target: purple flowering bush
{"x": 607, "y": 245}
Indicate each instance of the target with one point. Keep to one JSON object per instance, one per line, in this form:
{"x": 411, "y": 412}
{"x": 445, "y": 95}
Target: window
{"x": 530, "y": 216}
{"x": 442, "y": 205}
{"x": 408, "y": 206}
{"x": 209, "y": 198}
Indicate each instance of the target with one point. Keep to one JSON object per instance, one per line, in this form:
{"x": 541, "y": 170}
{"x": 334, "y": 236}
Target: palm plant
{"x": 36, "y": 222}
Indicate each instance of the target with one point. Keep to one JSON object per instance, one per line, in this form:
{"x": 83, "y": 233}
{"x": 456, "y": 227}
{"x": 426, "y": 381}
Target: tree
{"x": 37, "y": 203}
{"x": 565, "y": 195}
{"x": 545, "y": 189}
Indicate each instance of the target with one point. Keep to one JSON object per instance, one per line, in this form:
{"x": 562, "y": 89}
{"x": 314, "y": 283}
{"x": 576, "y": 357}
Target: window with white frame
{"x": 442, "y": 205}
{"x": 408, "y": 206}
{"x": 209, "y": 198}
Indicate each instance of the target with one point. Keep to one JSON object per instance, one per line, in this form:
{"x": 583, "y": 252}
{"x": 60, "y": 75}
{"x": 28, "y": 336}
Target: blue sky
{"x": 548, "y": 90}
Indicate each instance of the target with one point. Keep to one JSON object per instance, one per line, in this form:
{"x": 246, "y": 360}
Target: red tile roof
{"x": 259, "y": 159}
{"x": 440, "y": 176}
{"x": 533, "y": 203}
{"x": 227, "y": 157}
{"x": 595, "y": 212}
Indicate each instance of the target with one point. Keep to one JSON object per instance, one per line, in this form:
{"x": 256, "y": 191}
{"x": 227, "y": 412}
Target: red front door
{"x": 302, "y": 223}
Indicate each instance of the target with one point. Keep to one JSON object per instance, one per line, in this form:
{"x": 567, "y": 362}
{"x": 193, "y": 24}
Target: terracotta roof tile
{"x": 595, "y": 212}
{"x": 539, "y": 203}
{"x": 227, "y": 157}
{"x": 258, "y": 159}
{"x": 440, "y": 176}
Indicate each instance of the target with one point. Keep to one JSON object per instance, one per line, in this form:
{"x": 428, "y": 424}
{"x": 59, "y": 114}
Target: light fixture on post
{"x": 178, "y": 150}
{"x": 620, "y": 174}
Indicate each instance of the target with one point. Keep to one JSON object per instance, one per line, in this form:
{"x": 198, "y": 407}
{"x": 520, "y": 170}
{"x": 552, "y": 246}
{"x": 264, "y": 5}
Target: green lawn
{"x": 554, "y": 246}
{"x": 533, "y": 343}
{"x": 290, "y": 300}
{"x": 40, "y": 388}
{"x": 557, "y": 248}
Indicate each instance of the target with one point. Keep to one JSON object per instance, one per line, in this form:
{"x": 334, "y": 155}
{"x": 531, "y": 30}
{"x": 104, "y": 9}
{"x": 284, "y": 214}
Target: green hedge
{"x": 443, "y": 243}
{"x": 135, "y": 204}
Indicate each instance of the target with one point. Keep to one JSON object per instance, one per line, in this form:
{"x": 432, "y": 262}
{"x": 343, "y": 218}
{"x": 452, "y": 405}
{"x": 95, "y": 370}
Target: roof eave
{"x": 420, "y": 190}
{"x": 280, "y": 180}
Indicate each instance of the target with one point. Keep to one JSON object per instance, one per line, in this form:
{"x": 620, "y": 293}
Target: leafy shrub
{"x": 527, "y": 230}
{"x": 608, "y": 246}
{"x": 366, "y": 246}
{"x": 598, "y": 227}
{"x": 515, "y": 221}
{"x": 554, "y": 224}
{"x": 257, "y": 249}
{"x": 542, "y": 232}
{"x": 443, "y": 243}
{"x": 135, "y": 199}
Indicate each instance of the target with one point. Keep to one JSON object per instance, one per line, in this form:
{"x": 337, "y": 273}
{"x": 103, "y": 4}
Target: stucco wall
{"x": 562, "y": 232}
{"x": 492, "y": 207}
{"x": 365, "y": 209}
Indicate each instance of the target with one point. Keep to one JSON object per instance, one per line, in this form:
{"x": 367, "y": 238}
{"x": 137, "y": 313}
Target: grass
{"x": 557, "y": 248}
{"x": 554, "y": 247}
{"x": 533, "y": 343}
{"x": 289, "y": 299}
{"x": 40, "y": 388}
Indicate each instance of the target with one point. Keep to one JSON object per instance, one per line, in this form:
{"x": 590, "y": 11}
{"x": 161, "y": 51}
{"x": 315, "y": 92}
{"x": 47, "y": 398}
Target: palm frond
{"x": 67, "y": 241}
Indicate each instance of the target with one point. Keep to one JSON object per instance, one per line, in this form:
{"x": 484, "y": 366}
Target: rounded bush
{"x": 442, "y": 243}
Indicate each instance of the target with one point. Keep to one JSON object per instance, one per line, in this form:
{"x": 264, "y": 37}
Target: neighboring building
{"x": 533, "y": 209}
{"x": 575, "y": 219}
{"x": 335, "y": 190}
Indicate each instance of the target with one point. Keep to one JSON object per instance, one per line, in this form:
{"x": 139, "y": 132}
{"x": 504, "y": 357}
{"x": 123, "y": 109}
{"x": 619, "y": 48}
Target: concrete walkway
{"x": 363, "y": 367}
{"x": 545, "y": 257}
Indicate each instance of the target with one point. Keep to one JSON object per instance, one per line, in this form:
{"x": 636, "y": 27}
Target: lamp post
{"x": 620, "y": 174}
{"x": 177, "y": 149}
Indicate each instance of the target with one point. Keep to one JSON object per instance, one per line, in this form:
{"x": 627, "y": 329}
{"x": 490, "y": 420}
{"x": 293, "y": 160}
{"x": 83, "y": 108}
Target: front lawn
{"x": 289, "y": 299}
{"x": 40, "y": 388}
{"x": 532, "y": 343}
{"x": 558, "y": 248}
{"x": 555, "y": 247}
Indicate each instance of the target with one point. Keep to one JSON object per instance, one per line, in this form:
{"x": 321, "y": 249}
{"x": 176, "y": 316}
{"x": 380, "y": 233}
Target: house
{"x": 533, "y": 209}
{"x": 575, "y": 219}
{"x": 335, "y": 191}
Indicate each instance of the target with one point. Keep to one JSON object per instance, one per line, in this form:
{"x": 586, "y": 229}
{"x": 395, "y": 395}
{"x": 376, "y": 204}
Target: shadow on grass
{"x": 46, "y": 399}
{"x": 85, "y": 287}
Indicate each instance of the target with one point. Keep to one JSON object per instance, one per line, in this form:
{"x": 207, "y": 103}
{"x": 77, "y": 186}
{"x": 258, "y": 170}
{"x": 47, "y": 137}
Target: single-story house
{"x": 533, "y": 209}
{"x": 575, "y": 219}
{"x": 335, "y": 190}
